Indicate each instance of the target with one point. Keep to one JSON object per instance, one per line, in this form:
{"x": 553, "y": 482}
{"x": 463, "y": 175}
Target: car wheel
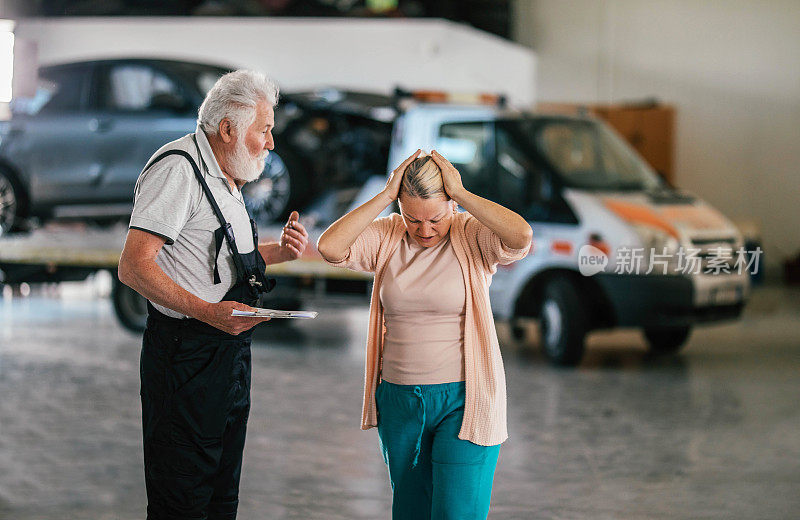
{"x": 562, "y": 323}
{"x": 667, "y": 340}
{"x": 129, "y": 306}
{"x": 273, "y": 195}
{"x": 10, "y": 202}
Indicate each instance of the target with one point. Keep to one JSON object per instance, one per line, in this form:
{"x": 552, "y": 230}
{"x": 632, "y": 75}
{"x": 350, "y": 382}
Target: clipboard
{"x": 274, "y": 313}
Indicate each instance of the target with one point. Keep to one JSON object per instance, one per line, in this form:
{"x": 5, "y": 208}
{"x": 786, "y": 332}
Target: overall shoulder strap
{"x": 228, "y": 230}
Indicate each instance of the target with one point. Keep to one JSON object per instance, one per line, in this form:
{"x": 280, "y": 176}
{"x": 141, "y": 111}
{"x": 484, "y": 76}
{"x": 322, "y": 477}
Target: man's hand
{"x": 218, "y": 315}
{"x": 294, "y": 238}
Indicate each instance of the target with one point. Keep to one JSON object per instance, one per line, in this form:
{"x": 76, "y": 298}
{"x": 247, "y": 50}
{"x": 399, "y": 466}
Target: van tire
{"x": 129, "y": 306}
{"x": 667, "y": 340}
{"x": 518, "y": 330}
{"x": 563, "y": 323}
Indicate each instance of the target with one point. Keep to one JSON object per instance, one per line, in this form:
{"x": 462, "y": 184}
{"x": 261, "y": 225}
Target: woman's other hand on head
{"x": 392, "y": 189}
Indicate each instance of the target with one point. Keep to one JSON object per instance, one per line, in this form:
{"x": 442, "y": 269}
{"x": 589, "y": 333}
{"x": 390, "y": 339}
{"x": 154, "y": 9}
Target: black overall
{"x": 196, "y": 395}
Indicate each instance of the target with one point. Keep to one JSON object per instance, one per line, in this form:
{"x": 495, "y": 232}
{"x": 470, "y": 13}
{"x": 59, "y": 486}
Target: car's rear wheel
{"x": 667, "y": 340}
{"x": 10, "y": 202}
{"x": 129, "y": 306}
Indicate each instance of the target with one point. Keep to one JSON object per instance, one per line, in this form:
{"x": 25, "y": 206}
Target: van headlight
{"x": 659, "y": 242}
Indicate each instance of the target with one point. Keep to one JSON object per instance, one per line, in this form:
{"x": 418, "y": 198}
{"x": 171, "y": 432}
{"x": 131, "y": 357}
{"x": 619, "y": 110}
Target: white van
{"x": 614, "y": 245}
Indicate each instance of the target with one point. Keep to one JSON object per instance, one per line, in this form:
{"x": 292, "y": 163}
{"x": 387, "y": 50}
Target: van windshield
{"x": 585, "y": 154}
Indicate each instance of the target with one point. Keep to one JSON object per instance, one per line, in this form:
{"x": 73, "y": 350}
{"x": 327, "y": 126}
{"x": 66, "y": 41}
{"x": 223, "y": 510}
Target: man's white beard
{"x": 243, "y": 166}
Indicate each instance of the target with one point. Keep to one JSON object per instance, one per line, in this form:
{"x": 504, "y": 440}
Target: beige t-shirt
{"x": 424, "y": 300}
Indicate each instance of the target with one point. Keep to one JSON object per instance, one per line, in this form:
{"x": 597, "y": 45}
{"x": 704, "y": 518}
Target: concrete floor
{"x": 711, "y": 433}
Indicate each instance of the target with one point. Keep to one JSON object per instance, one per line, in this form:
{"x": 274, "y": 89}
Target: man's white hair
{"x": 234, "y": 96}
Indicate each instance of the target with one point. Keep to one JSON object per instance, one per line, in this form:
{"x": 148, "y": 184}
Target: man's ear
{"x": 226, "y": 131}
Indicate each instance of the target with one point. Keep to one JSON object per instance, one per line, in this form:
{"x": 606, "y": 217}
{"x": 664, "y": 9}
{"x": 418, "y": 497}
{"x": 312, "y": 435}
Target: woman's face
{"x": 427, "y": 220}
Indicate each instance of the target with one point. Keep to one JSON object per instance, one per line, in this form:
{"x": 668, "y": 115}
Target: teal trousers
{"x": 434, "y": 474}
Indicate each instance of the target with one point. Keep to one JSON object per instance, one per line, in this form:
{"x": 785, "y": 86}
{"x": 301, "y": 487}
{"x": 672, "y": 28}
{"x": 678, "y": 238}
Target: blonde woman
{"x": 434, "y": 385}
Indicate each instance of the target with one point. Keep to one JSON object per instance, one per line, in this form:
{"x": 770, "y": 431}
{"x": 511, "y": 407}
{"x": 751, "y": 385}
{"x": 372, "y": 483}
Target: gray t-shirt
{"x": 169, "y": 202}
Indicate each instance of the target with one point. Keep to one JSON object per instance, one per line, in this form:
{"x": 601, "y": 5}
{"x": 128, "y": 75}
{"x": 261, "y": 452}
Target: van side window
{"x": 513, "y": 171}
{"x": 499, "y": 160}
{"x": 495, "y": 162}
{"x": 470, "y": 147}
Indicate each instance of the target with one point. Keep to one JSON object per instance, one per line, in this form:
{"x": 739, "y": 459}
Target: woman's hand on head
{"x": 392, "y": 189}
{"x": 450, "y": 176}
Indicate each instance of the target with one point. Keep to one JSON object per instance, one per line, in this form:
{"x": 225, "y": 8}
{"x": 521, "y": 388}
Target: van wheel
{"x": 562, "y": 323}
{"x": 667, "y": 340}
{"x": 129, "y": 306}
{"x": 10, "y": 202}
{"x": 518, "y": 331}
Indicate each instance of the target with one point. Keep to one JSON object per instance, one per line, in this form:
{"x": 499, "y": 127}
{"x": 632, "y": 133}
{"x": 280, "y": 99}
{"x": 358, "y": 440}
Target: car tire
{"x": 667, "y": 340}
{"x": 129, "y": 306}
{"x": 11, "y": 202}
{"x": 563, "y": 323}
{"x": 279, "y": 190}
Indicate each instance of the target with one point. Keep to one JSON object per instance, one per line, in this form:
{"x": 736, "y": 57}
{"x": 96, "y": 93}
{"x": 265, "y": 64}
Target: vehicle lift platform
{"x": 59, "y": 252}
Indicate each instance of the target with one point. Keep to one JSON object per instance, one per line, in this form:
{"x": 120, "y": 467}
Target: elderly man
{"x": 193, "y": 252}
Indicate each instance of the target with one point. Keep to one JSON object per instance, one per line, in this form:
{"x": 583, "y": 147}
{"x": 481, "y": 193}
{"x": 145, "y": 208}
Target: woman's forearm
{"x": 335, "y": 242}
{"x": 512, "y": 229}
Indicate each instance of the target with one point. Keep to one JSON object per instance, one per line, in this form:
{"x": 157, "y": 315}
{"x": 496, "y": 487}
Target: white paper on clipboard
{"x": 273, "y": 313}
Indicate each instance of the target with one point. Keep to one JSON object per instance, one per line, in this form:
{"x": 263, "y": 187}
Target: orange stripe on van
{"x": 639, "y": 214}
{"x": 561, "y": 247}
{"x": 697, "y": 217}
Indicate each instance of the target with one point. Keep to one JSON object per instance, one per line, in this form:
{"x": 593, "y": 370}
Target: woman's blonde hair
{"x": 423, "y": 179}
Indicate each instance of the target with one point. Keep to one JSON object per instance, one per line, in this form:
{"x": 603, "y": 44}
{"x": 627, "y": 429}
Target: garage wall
{"x": 306, "y": 53}
{"x": 731, "y": 69}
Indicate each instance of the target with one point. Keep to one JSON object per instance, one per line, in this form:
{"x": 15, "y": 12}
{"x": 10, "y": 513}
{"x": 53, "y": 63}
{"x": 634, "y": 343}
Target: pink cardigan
{"x": 478, "y": 250}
